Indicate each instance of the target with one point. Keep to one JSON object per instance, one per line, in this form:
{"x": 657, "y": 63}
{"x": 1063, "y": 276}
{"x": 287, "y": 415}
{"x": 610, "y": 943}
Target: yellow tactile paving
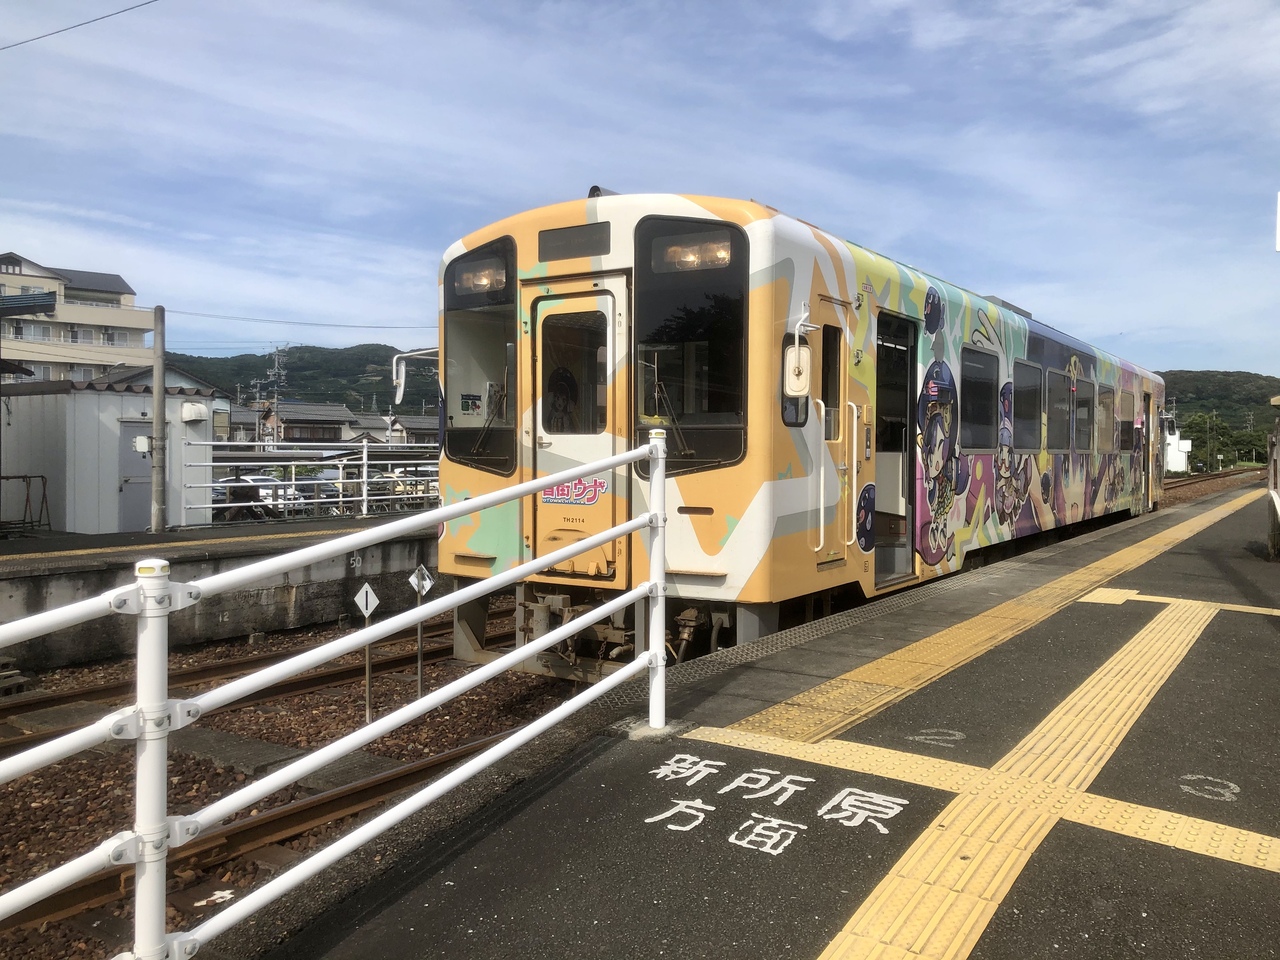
{"x": 1109, "y": 595}
{"x": 1115, "y": 816}
{"x": 938, "y": 898}
{"x": 831, "y": 707}
{"x": 1064, "y": 753}
{"x": 846, "y": 755}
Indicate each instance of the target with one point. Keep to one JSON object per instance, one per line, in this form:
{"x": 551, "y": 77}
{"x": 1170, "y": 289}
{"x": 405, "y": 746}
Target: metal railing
{"x": 149, "y": 721}
{"x": 302, "y": 479}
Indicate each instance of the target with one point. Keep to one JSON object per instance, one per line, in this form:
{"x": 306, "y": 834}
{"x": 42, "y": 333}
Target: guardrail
{"x": 310, "y": 479}
{"x": 155, "y": 715}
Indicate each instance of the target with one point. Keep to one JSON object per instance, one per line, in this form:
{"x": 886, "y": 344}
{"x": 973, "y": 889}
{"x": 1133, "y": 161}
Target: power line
{"x": 304, "y": 323}
{"x": 52, "y": 33}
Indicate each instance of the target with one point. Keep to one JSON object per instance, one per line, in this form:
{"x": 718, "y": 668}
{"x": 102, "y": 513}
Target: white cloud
{"x": 313, "y": 160}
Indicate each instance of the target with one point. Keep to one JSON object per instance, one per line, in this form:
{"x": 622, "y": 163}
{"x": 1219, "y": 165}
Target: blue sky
{"x": 1112, "y": 167}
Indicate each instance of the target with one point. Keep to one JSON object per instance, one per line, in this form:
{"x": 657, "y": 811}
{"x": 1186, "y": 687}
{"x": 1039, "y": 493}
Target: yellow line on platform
{"x": 1115, "y": 816}
{"x": 838, "y": 704}
{"x": 939, "y": 897}
{"x": 944, "y": 890}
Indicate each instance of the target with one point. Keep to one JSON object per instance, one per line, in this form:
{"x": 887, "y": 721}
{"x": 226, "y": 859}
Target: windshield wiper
{"x": 664, "y": 411}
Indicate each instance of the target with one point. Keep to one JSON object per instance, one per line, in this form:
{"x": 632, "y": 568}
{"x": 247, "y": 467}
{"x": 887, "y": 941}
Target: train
{"x": 839, "y": 424}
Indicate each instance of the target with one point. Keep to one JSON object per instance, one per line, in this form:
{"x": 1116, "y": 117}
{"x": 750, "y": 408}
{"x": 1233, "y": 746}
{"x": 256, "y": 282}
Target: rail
{"x": 287, "y": 479}
{"x": 153, "y": 596}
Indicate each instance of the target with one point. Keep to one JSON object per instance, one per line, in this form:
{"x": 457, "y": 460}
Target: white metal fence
{"x": 279, "y": 481}
{"x": 150, "y": 720}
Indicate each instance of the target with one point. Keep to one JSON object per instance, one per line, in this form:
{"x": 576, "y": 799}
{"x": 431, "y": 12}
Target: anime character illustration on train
{"x": 946, "y": 471}
{"x": 1013, "y": 471}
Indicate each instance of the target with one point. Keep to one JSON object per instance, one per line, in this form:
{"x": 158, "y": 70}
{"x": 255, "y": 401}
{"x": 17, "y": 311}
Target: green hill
{"x": 358, "y": 376}
{"x": 1224, "y": 412}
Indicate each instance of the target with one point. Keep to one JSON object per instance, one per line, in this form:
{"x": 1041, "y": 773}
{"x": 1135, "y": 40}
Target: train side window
{"x": 1059, "y": 411}
{"x": 795, "y": 410}
{"x": 1106, "y": 419}
{"x": 832, "y": 354}
{"x": 1028, "y": 405}
{"x": 979, "y": 400}
{"x": 1084, "y": 415}
{"x": 1127, "y": 405}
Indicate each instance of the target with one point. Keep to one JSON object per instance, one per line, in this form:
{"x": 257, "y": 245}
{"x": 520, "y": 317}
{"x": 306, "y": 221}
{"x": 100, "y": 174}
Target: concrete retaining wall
{"x": 318, "y": 593}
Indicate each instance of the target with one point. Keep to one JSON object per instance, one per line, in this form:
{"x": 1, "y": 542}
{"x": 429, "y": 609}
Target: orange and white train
{"x": 839, "y": 424}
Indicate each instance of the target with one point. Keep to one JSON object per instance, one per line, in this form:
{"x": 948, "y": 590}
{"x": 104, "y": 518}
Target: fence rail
{"x": 151, "y": 719}
{"x": 278, "y": 480}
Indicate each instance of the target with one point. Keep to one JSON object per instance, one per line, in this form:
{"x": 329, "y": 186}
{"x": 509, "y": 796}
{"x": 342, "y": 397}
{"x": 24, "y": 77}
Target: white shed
{"x": 68, "y": 457}
{"x": 1177, "y": 452}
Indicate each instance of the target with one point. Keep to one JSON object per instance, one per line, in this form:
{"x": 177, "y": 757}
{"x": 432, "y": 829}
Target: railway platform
{"x": 1070, "y": 753}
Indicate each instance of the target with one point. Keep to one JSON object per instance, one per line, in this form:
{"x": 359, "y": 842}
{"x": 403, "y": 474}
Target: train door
{"x": 578, "y": 401}
{"x": 895, "y": 448}
{"x": 836, "y": 494}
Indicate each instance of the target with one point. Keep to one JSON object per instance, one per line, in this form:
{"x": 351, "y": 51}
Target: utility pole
{"x": 159, "y": 397}
{"x": 1213, "y": 422}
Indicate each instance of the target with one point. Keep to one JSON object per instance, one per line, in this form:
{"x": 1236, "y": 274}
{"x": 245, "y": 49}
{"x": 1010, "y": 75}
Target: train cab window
{"x": 690, "y": 351}
{"x": 1028, "y": 406}
{"x": 1106, "y": 419}
{"x": 574, "y": 374}
{"x": 479, "y": 345}
{"x": 1127, "y": 405}
{"x": 979, "y": 400}
{"x": 1058, "y": 419}
{"x": 1084, "y": 415}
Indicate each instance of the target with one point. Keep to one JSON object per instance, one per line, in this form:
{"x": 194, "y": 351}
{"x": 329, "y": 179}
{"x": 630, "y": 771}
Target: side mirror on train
{"x": 796, "y": 364}
{"x": 397, "y": 378}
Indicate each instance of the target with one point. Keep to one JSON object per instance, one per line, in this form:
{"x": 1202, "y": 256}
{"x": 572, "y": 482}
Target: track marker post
{"x": 421, "y": 582}
{"x": 367, "y": 601}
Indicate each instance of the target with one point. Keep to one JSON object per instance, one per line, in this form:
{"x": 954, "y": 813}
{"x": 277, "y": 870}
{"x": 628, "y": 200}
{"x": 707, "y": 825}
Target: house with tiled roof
{"x": 68, "y": 324}
{"x": 290, "y": 421}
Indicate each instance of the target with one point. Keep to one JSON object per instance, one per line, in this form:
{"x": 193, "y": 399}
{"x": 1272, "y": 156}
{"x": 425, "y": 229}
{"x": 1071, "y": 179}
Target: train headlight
{"x": 483, "y": 276}
{"x": 696, "y": 251}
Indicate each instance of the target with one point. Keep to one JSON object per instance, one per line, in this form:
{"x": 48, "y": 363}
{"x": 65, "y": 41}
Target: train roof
{"x": 750, "y": 211}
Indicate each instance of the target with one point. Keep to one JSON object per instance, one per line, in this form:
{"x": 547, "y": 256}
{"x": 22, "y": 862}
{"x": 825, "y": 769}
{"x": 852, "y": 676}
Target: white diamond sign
{"x": 366, "y": 600}
{"x": 421, "y": 580}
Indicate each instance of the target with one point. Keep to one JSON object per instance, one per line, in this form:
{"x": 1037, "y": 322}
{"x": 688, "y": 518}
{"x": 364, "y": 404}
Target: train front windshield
{"x": 690, "y": 333}
{"x": 480, "y": 382}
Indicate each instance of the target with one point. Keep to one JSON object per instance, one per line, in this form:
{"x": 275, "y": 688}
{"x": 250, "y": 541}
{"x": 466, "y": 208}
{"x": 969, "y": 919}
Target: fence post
{"x": 657, "y": 646}
{"x": 154, "y": 721}
{"x": 364, "y": 473}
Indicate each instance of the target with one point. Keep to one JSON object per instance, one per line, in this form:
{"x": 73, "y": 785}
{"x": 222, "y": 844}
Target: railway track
{"x": 123, "y": 690}
{"x": 1206, "y": 477}
{"x": 438, "y": 650}
{"x": 241, "y": 837}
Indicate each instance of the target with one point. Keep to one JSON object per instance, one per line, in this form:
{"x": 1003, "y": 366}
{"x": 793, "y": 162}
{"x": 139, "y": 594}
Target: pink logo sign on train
{"x": 584, "y": 492}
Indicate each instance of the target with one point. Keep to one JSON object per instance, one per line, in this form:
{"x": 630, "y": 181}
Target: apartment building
{"x": 68, "y": 324}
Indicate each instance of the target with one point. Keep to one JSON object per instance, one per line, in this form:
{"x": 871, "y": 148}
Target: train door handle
{"x": 543, "y": 443}
{"x": 822, "y": 474}
{"x": 906, "y": 460}
{"x": 851, "y": 498}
